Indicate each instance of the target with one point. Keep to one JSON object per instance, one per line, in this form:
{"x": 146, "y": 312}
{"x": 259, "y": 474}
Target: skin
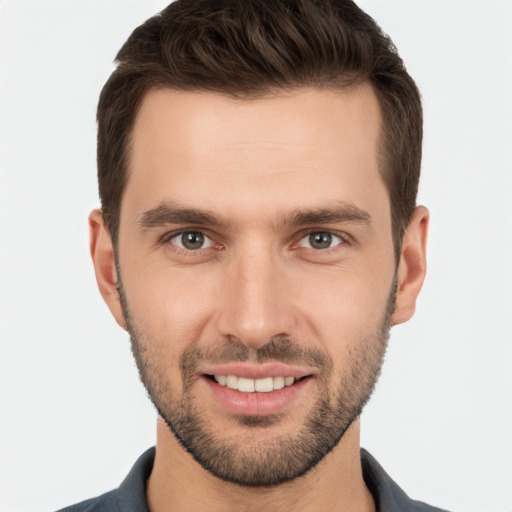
{"x": 257, "y": 163}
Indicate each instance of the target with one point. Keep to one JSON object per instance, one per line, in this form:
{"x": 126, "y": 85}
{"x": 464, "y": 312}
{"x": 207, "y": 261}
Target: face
{"x": 256, "y": 272}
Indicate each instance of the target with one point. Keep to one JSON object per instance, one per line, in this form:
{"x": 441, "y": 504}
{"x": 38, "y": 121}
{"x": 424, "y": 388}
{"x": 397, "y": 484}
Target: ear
{"x": 102, "y": 253}
{"x": 412, "y": 267}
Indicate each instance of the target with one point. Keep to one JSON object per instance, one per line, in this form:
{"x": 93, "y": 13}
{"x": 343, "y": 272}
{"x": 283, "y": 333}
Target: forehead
{"x": 296, "y": 147}
{"x": 305, "y": 117}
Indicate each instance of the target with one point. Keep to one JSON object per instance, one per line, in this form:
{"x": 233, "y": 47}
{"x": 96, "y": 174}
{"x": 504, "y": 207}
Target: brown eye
{"x": 191, "y": 240}
{"x": 320, "y": 240}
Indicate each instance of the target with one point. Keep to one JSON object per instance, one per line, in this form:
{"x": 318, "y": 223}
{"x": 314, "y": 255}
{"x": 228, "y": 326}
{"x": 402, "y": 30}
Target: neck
{"x": 336, "y": 483}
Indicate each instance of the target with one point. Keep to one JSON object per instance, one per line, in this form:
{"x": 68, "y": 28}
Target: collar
{"x": 388, "y": 496}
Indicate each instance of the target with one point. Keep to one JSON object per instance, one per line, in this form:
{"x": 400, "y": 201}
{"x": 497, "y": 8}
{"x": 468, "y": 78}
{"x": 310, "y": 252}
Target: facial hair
{"x": 253, "y": 458}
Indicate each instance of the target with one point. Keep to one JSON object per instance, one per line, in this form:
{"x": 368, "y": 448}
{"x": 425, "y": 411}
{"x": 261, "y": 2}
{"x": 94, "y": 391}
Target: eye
{"x": 319, "y": 240}
{"x": 191, "y": 240}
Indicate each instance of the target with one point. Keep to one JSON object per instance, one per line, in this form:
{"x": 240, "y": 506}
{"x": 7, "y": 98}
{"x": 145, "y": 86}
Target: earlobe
{"x": 102, "y": 253}
{"x": 412, "y": 267}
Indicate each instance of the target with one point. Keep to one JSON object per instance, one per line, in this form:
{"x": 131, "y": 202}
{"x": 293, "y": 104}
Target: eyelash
{"x": 344, "y": 239}
{"x": 166, "y": 239}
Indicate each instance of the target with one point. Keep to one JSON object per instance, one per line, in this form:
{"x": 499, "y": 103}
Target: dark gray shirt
{"x": 131, "y": 494}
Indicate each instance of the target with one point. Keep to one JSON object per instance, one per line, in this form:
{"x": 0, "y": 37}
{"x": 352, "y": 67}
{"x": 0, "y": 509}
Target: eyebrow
{"x": 174, "y": 214}
{"x": 168, "y": 213}
{"x": 345, "y": 212}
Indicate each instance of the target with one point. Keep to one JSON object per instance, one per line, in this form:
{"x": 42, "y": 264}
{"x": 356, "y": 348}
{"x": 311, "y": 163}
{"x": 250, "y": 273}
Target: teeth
{"x": 278, "y": 382}
{"x": 263, "y": 385}
{"x": 245, "y": 385}
{"x": 231, "y": 382}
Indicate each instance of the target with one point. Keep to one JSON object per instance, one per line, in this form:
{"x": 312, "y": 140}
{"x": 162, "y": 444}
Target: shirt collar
{"x": 387, "y": 494}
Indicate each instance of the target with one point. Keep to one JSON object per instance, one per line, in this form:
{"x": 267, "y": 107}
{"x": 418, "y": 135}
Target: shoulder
{"x": 388, "y": 496}
{"x": 130, "y": 496}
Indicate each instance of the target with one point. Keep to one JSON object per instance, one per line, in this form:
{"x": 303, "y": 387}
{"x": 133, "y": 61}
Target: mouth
{"x": 256, "y": 390}
{"x": 261, "y": 385}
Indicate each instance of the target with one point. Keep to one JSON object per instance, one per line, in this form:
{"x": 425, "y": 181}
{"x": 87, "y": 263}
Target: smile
{"x": 246, "y": 385}
{"x": 243, "y": 395}
{"x": 255, "y": 389}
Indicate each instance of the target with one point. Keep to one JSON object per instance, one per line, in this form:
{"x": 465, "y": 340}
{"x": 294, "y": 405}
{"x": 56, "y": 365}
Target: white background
{"x": 73, "y": 414}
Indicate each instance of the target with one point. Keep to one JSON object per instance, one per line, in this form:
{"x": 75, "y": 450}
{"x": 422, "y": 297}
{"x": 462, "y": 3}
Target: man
{"x": 258, "y": 165}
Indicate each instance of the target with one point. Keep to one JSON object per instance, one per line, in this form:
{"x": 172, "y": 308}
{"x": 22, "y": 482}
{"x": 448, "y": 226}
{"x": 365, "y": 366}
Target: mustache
{"x": 282, "y": 349}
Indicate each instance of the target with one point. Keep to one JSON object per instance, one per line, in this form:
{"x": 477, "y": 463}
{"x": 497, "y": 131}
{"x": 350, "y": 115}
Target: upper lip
{"x": 255, "y": 371}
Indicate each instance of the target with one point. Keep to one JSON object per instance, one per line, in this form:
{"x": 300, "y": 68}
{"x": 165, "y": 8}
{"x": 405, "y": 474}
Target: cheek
{"x": 344, "y": 307}
{"x": 171, "y": 305}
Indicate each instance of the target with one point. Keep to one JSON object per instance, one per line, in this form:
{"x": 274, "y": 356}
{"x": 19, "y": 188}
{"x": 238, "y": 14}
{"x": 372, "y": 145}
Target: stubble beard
{"x": 254, "y": 459}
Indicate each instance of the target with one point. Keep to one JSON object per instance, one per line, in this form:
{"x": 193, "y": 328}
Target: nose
{"x": 256, "y": 304}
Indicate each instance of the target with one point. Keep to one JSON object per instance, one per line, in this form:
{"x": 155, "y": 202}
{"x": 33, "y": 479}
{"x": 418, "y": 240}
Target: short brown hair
{"x": 247, "y": 48}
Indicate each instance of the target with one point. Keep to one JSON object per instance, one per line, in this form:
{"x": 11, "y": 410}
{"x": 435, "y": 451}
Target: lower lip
{"x": 256, "y": 404}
